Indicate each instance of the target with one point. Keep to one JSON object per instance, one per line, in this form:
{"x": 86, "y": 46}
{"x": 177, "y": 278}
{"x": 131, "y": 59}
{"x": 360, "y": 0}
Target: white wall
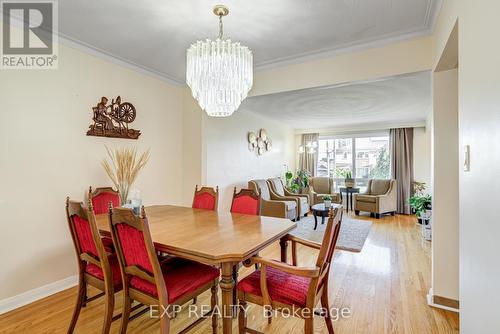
{"x": 479, "y": 121}
{"x": 422, "y": 156}
{"x": 46, "y": 156}
{"x": 445, "y": 206}
{"x": 229, "y": 163}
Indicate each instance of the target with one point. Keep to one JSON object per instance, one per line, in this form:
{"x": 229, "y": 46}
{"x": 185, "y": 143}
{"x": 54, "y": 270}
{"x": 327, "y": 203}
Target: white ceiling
{"x": 395, "y": 100}
{"x": 153, "y": 35}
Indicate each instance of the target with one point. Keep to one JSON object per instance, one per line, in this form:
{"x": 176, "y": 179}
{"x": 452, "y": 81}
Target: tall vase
{"x": 123, "y": 191}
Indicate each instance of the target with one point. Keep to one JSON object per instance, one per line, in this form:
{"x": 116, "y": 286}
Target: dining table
{"x": 215, "y": 238}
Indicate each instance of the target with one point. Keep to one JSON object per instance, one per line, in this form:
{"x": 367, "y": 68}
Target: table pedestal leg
{"x": 226, "y": 286}
{"x": 347, "y": 202}
{"x": 315, "y": 219}
{"x": 283, "y": 245}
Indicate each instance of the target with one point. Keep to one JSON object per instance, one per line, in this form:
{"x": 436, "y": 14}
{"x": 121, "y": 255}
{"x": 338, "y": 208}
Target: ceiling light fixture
{"x": 220, "y": 72}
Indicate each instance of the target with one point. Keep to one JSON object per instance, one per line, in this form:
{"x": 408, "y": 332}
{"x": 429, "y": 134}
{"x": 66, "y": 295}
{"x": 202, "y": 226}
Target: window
{"x": 364, "y": 156}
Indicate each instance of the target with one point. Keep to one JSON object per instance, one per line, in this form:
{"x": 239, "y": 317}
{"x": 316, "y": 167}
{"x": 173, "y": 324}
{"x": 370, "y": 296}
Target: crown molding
{"x": 104, "y": 55}
{"x": 112, "y": 58}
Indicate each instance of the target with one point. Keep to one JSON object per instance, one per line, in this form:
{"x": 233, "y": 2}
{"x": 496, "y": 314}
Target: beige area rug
{"x": 352, "y": 237}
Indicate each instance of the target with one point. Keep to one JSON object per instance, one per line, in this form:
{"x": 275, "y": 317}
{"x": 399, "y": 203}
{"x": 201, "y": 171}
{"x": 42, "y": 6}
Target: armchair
{"x": 281, "y": 286}
{"x": 271, "y": 207}
{"x": 279, "y": 192}
{"x": 321, "y": 186}
{"x": 380, "y": 197}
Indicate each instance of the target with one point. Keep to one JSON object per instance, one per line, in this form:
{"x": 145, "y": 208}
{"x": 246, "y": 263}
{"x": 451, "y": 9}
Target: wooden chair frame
{"x": 247, "y": 192}
{"x": 106, "y": 286}
{"x": 208, "y": 190}
{"x": 256, "y": 196}
{"x": 126, "y": 216}
{"x": 319, "y": 274}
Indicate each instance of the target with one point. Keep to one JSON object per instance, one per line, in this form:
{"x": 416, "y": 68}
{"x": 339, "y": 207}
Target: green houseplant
{"x": 420, "y": 202}
{"x": 297, "y": 183}
{"x": 327, "y": 200}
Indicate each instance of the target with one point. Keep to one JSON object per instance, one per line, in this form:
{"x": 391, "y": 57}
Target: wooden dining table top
{"x": 209, "y": 236}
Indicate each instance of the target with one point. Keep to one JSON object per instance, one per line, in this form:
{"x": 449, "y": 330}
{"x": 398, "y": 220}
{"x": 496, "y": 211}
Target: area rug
{"x": 352, "y": 237}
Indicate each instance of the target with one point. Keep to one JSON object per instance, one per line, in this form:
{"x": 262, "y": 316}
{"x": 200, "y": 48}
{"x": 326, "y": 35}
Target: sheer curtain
{"x": 401, "y": 142}
{"x": 307, "y": 160}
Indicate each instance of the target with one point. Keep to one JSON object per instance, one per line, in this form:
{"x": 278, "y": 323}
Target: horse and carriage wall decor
{"x": 112, "y": 120}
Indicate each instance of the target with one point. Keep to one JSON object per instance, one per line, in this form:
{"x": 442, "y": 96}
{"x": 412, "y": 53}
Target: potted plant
{"x": 298, "y": 183}
{"x": 420, "y": 202}
{"x": 327, "y": 200}
{"x": 288, "y": 179}
{"x": 349, "y": 181}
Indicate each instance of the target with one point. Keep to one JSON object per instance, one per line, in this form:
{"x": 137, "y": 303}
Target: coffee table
{"x": 321, "y": 211}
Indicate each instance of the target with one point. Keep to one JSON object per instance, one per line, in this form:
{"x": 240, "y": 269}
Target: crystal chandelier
{"x": 220, "y": 72}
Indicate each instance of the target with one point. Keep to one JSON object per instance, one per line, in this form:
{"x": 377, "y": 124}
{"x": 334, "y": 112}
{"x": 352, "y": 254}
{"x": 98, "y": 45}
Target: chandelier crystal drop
{"x": 219, "y": 72}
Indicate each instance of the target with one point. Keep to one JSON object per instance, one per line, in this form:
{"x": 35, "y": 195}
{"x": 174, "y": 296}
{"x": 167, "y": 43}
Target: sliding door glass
{"x": 372, "y": 159}
{"x": 365, "y": 157}
{"x": 334, "y": 157}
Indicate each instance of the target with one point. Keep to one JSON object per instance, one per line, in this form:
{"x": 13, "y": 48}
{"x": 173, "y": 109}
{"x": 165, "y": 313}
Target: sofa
{"x": 285, "y": 208}
{"x": 279, "y": 192}
{"x": 380, "y": 197}
{"x": 320, "y": 186}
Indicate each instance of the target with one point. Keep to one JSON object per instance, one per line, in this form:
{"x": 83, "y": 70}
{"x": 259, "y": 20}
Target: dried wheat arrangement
{"x": 123, "y": 168}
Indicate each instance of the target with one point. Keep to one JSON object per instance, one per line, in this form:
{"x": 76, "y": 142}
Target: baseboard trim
{"x": 31, "y": 296}
{"x": 444, "y": 303}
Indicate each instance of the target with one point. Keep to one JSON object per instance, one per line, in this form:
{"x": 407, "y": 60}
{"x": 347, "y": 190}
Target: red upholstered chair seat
{"x": 283, "y": 287}
{"x": 101, "y": 201}
{"x": 204, "y": 201}
{"x": 181, "y": 277}
{"x": 245, "y": 205}
{"x": 97, "y": 272}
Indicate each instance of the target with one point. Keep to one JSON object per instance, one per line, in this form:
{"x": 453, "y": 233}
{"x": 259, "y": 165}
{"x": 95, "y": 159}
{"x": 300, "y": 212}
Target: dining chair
{"x": 206, "y": 198}
{"x": 246, "y": 201}
{"x": 100, "y": 199}
{"x": 279, "y": 286}
{"x": 173, "y": 282}
{"x": 96, "y": 266}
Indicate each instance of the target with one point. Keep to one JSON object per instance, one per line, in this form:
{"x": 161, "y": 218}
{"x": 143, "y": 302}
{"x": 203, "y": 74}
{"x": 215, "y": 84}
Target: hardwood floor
{"x": 384, "y": 286}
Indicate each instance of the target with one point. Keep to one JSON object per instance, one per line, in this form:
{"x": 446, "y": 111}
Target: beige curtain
{"x": 309, "y": 161}
{"x": 401, "y": 142}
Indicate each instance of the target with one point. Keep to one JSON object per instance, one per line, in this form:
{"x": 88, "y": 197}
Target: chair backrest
{"x": 135, "y": 249}
{"x": 86, "y": 238}
{"x": 379, "y": 187}
{"x": 329, "y": 242}
{"x": 101, "y": 197}
{"x": 246, "y": 201}
{"x": 206, "y": 198}
{"x": 276, "y": 186}
{"x": 261, "y": 187}
{"x": 321, "y": 184}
